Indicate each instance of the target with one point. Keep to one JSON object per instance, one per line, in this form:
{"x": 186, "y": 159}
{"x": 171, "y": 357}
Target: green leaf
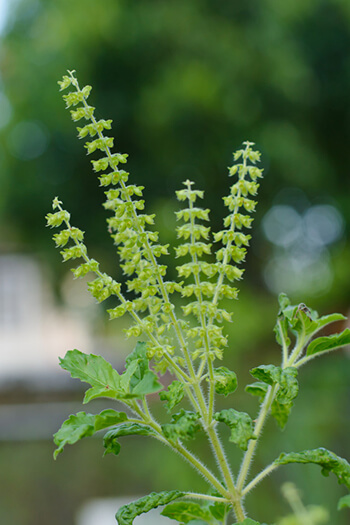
{"x": 108, "y": 418}
{"x": 344, "y": 502}
{"x": 331, "y": 342}
{"x": 328, "y": 461}
{"x": 225, "y": 381}
{"x": 81, "y": 425}
{"x": 127, "y": 513}
{"x": 138, "y": 379}
{"x": 95, "y": 370}
{"x": 219, "y": 510}
{"x": 286, "y": 378}
{"x": 241, "y": 426}
{"x": 110, "y": 442}
{"x": 281, "y": 411}
{"x": 184, "y": 425}
{"x": 257, "y": 389}
{"x": 186, "y": 511}
{"x": 173, "y": 395}
{"x": 269, "y": 374}
{"x": 73, "y": 429}
{"x": 289, "y": 386}
{"x": 301, "y": 319}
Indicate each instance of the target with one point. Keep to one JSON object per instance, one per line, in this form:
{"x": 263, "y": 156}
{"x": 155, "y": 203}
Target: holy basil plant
{"x": 186, "y": 342}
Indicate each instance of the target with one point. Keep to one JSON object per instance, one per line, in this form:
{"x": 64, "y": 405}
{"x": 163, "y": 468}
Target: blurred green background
{"x": 185, "y": 83}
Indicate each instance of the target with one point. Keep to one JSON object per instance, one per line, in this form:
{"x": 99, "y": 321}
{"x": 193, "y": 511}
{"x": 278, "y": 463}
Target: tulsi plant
{"x": 186, "y": 342}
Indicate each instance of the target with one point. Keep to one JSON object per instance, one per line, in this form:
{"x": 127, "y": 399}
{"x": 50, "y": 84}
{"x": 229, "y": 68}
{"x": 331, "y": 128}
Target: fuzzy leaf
{"x": 110, "y": 442}
{"x": 95, "y": 370}
{"x": 328, "y": 461}
{"x": 219, "y": 510}
{"x": 173, "y": 395}
{"x": 286, "y": 378}
{"x": 344, "y": 502}
{"x": 127, "y": 513}
{"x": 241, "y": 426}
{"x": 225, "y": 381}
{"x": 73, "y": 429}
{"x": 184, "y": 425}
{"x": 186, "y": 511}
{"x": 331, "y": 342}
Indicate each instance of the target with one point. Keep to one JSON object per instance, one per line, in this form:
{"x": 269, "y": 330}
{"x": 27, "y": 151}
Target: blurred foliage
{"x": 185, "y": 82}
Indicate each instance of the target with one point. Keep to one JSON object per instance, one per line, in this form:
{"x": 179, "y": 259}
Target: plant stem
{"x": 258, "y": 478}
{"x": 194, "y": 495}
{"x": 248, "y": 456}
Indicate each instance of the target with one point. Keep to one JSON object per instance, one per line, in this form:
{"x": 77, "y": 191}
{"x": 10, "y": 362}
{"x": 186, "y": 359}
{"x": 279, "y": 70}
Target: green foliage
{"x": 186, "y": 341}
{"x": 110, "y": 442}
{"x": 240, "y": 424}
{"x": 185, "y": 512}
{"x": 183, "y": 426}
{"x": 127, "y": 513}
{"x": 344, "y": 502}
{"x": 328, "y": 461}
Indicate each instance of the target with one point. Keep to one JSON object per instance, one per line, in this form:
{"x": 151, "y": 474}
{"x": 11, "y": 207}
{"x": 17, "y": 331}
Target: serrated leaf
{"x": 241, "y": 426}
{"x": 184, "y": 425}
{"x": 225, "y": 381}
{"x": 95, "y": 370}
{"x": 173, "y": 395}
{"x": 110, "y": 440}
{"x": 73, "y": 429}
{"x": 257, "y": 389}
{"x": 344, "y": 502}
{"x": 328, "y": 461}
{"x": 328, "y": 343}
{"x": 127, "y": 513}
{"x": 186, "y": 511}
{"x": 81, "y": 425}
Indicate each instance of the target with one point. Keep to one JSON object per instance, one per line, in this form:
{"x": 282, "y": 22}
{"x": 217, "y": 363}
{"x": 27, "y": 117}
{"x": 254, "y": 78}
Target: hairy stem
{"x": 248, "y": 456}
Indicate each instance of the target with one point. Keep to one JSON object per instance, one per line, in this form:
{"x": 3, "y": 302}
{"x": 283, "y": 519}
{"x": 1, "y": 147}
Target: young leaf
{"x": 127, "y": 513}
{"x": 73, "y": 429}
{"x": 219, "y": 510}
{"x": 184, "y": 425}
{"x": 241, "y": 426}
{"x": 186, "y": 511}
{"x": 95, "y": 370}
{"x": 328, "y": 461}
{"x": 331, "y": 342}
{"x": 173, "y": 395}
{"x": 138, "y": 379}
{"x": 110, "y": 442}
{"x": 225, "y": 381}
{"x": 344, "y": 502}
